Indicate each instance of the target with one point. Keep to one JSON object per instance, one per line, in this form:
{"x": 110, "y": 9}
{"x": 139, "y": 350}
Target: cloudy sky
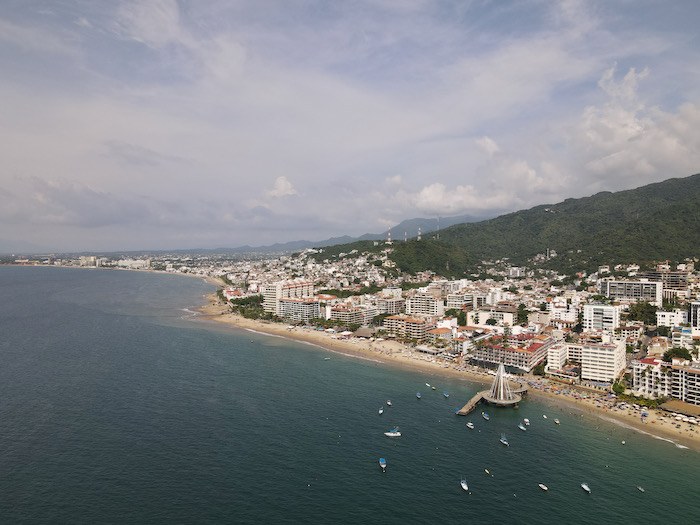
{"x": 162, "y": 124}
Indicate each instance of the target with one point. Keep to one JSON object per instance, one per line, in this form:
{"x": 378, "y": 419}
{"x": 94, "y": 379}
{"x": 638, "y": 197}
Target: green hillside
{"x": 654, "y": 222}
{"x": 657, "y": 221}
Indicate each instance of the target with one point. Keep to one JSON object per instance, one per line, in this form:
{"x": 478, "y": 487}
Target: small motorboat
{"x": 381, "y": 411}
{"x": 393, "y": 433}
{"x": 640, "y": 489}
{"x": 623, "y": 441}
{"x": 428, "y": 385}
{"x": 556, "y": 421}
{"x": 543, "y": 487}
{"x": 388, "y": 402}
{"x": 432, "y": 387}
{"x": 470, "y": 425}
{"x": 446, "y": 394}
{"x": 382, "y": 463}
{"x": 522, "y": 427}
{"x": 527, "y": 422}
{"x": 544, "y": 416}
{"x": 585, "y": 487}
{"x": 504, "y": 440}
{"x": 418, "y": 395}
{"x": 485, "y": 416}
{"x": 464, "y": 485}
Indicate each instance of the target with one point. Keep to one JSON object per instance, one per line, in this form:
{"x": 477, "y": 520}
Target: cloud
{"x": 488, "y": 145}
{"x": 282, "y": 188}
{"x": 183, "y": 115}
{"x": 155, "y": 23}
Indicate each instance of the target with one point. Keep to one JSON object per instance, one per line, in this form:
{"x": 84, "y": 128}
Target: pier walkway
{"x": 471, "y": 405}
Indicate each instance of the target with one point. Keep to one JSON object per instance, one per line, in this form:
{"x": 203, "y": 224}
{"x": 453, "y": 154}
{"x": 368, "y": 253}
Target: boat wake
{"x": 624, "y": 425}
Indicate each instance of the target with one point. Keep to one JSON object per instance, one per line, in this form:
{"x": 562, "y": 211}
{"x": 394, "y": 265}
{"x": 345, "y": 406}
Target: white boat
{"x": 393, "y": 433}
{"x": 585, "y": 487}
{"x": 527, "y": 422}
{"x": 381, "y": 411}
{"x": 504, "y": 440}
{"x": 428, "y": 385}
{"x": 382, "y": 463}
{"x": 464, "y": 485}
{"x": 544, "y": 416}
{"x": 446, "y": 394}
{"x": 640, "y": 489}
{"x": 522, "y": 427}
{"x": 388, "y": 402}
{"x": 418, "y": 395}
{"x": 470, "y": 425}
{"x": 543, "y": 487}
{"x": 485, "y": 416}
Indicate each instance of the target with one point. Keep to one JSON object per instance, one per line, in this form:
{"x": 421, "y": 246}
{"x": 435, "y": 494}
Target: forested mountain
{"x": 654, "y": 222}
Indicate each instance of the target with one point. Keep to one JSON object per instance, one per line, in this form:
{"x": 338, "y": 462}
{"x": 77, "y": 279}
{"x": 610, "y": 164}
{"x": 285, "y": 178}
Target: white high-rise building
{"x": 272, "y": 293}
{"x": 601, "y": 317}
{"x": 602, "y": 362}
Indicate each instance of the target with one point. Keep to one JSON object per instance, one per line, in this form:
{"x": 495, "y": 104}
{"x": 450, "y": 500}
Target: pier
{"x": 500, "y": 394}
{"x": 471, "y": 405}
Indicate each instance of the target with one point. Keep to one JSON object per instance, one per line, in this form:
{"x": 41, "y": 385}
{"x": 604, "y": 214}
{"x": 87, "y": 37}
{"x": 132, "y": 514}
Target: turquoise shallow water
{"x": 117, "y": 407}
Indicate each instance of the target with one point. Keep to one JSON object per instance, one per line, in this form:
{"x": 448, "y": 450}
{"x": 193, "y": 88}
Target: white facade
{"x": 601, "y": 317}
{"x": 299, "y": 309}
{"x": 651, "y": 378}
{"x": 602, "y": 362}
{"x": 425, "y": 304}
{"x": 675, "y": 317}
{"x": 272, "y": 293}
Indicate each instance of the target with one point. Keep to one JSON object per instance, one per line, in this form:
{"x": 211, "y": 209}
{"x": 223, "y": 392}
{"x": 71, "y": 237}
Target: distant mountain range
{"x": 655, "y": 222}
{"x": 408, "y": 228}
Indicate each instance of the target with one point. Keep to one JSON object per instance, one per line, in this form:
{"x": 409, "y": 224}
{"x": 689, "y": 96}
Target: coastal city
{"x": 624, "y": 330}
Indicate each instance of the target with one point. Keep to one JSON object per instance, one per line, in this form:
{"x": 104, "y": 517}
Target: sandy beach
{"x": 657, "y": 423}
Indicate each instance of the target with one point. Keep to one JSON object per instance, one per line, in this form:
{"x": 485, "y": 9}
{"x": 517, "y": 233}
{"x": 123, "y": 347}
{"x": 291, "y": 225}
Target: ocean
{"x": 119, "y": 405}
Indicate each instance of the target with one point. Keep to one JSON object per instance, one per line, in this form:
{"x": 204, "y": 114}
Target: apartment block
{"x": 633, "y": 291}
{"x": 601, "y": 317}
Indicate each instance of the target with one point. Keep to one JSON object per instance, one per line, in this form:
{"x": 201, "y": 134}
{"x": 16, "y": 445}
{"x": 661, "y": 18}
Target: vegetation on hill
{"x": 658, "y": 221}
{"x": 655, "y": 222}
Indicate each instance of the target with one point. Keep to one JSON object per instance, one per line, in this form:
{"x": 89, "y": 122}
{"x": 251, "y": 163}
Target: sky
{"x": 183, "y": 124}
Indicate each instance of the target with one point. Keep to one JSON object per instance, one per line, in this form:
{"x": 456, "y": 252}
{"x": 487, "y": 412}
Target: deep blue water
{"x": 117, "y": 406}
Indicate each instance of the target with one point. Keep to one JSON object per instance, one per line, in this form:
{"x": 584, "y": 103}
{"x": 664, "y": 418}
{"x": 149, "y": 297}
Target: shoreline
{"x": 658, "y": 424}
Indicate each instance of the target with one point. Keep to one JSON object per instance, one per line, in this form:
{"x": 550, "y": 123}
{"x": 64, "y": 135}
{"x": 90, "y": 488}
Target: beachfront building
{"x": 524, "y": 356}
{"x": 345, "y": 315}
{"x": 425, "y": 304}
{"x": 390, "y": 305}
{"x": 651, "y": 377}
{"x": 633, "y": 291}
{"x": 602, "y": 362}
{"x": 601, "y": 317}
{"x": 685, "y": 383}
{"x": 405, "y": 326}
{"x": 272, "y": 293}
{"x": 299, "y": 309}
{"x": 439, "y": 334}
